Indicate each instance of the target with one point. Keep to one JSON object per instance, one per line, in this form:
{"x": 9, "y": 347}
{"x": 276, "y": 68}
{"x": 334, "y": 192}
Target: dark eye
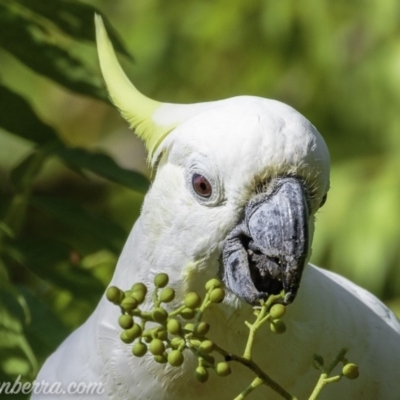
{"x": 201, "y": 185}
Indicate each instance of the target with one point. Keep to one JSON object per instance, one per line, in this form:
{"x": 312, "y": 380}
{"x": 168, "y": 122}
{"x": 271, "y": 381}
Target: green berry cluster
{"x": 172, "y": 332}
{"x": 176, "y": 331}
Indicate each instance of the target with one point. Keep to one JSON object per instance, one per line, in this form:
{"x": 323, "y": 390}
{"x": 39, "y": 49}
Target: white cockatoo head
{"x": 237, "y": 185}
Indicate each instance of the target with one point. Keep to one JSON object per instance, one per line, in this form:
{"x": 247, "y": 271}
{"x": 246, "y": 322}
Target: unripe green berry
{"x": 277, "y": 311}
{"x": 139, "y": 291}
{"x": 114, "y": 295}
{"x": 161, "y": 359}
{"x": 187, "y": 313}
{"x": 174, "y": 326}
{"x": 162, "y": 334}
{"x": 167, "y": 295}
{"x": 177, "y": 342}
{"x": 201, "y": 374}
{"x": 223, "y": 369}
{"x": 148, "y": 333}
{"x": 175, "y": 358}
{"x": 202, "y": 328}
{"x": 350, "y": 371}
{"x": 213, "y": 284}
{"x": 135, "y": 331}
{"x": 139, "y": 295}
{"x": 192, "y": 300}
{"x": 161, "y": 280}
{"x": 139, "y": 287}
{"x": 217, "y": 295}
{"x": 159, "y": 315}
{"x": 206, "y": 347}
{"x": 157, "y": 347}
{"x": 129, "y": 303}
{"x": 129, "y": 335}
{"x": 125, "y": 321}
{"x": 277, "y": 326}
{"x": 139, "y": 349}
{"x": 126, "y": 338}
{"x": 189, "y": 327}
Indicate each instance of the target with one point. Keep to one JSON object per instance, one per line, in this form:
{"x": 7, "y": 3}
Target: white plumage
{"x": 236, "y": 144}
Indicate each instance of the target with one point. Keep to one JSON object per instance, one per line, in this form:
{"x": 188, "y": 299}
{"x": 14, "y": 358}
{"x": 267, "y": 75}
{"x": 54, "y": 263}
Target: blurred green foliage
{"x": 58, "y": 245}
{"x": 66, "y": 207}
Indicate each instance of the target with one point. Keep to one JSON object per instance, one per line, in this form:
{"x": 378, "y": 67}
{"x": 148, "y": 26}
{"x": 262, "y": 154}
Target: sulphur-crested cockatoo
{"x": 236, "y": 189}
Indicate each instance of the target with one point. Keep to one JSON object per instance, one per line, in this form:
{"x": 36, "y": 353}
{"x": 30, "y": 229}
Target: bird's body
{"x": 267, "y": 171}
{"x": 353, "y": 318}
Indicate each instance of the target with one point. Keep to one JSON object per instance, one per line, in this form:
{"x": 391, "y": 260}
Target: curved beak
{"x": 267, "y": 251}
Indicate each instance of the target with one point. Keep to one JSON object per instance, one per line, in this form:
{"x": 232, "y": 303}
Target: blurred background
{"x": 73, "y": 177}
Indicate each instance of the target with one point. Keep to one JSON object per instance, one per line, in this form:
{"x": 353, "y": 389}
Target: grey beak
{"x": 267, "y": 251}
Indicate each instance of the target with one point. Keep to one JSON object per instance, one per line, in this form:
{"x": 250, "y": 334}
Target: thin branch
{"x": 266, "y": 380}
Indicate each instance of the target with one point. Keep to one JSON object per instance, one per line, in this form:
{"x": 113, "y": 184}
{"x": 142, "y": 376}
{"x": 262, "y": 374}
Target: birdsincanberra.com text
{"x": 43, "y": 387}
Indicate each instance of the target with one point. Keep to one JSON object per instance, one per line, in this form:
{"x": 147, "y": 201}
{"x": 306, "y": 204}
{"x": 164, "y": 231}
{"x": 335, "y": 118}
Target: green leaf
{"x": 4, "y": 278}
{"x": 75, "y": 19}
{"x": 89, "y": 227}
{"x": 23, "y": 177}
{"x": 10, "y": 289}
{"x": 18, "y": 117}
{"x": 50, "y": 260}
{"x": 30, "y": 43}
{"x": 4, "y": 228}
{"x": 16, "y": 356}
{"x": 26, "y": 171}
{"x": 318, "y": 362}
{"x": 104, "y": 166}
{"x": 46, "y": 331}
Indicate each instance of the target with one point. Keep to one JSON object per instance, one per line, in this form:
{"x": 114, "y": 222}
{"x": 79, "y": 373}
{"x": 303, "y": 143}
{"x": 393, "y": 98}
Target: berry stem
{"x": 340, "y": 357}
{"x": 322, "y": 382}
{"x": 176, "y": 312}
{"x": 147, "y": 316}
{"x": 198, "y": 316}
{"x": 324, "y": 378}
{"x": 261, "y": 375}
{"x": 156, "y": 300}
{"x": 262, "y": 316}
{"x": 206, "y": 302}
{"x": 202, "y": 358}
{"x": 204, "y": 305}
{"x": 254, "y": 385}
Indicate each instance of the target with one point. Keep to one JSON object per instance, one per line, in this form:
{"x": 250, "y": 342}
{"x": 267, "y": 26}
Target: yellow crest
{"x": 136, "y": 108}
